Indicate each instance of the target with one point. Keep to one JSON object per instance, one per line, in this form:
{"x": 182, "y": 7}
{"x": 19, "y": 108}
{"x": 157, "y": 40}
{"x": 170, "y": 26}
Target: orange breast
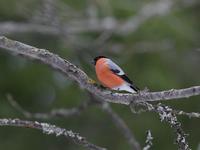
{"x": 106, "y": 76}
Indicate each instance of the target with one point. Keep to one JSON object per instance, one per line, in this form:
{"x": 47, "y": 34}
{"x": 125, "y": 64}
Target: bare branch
{"x": 85, "y": 25}
{"x": 190, "y": 114}
{"x": 148, "y": 141}
{"x": 14, "y": 27}
{"x": 53, "y": 113}
{"x": 76, "y": 74}
{"x": 76, "y": 111}
{"x": 50, "y": 129}
{"x": 118, "y": 121}
{"x": 136, "y": 108}
{"x": 108, "y": 23}
{"x": 160, "y": 7}
{"x": 46, "y": 13}
{"x": 166, "y": 114}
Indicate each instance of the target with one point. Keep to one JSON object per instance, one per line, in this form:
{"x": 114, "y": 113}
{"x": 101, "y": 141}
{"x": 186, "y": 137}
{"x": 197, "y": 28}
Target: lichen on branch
{"x": 47, "y": 128}
{"x": 78, "y": 75}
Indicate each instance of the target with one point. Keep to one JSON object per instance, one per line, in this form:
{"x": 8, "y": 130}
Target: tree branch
{"x": 50, "y": 129}
{"x": 148, "y": 141}
{"x": 166, "y": 114}
{"x": 138, "y": 110}
{"x": 189, "y": 114}
{"x": 148, "y": 11}
{"x": 119, "y": 122}
{"x": 76, "y": 74}
{"x": 53, "y": 113}
{"x": 15, "y": 27}
{"x": 108, "y": 23}
{"x": 85, "y": 25}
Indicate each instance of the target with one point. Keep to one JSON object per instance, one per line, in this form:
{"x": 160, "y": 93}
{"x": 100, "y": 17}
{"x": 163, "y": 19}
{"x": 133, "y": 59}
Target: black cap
{"x": 97, "y": 58}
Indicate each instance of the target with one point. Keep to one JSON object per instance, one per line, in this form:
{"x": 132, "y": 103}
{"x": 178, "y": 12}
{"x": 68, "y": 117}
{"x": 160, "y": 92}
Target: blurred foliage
{"x": 163, "y": 53}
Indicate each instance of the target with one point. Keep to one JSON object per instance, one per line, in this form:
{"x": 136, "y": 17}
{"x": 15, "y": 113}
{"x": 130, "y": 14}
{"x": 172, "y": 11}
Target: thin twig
{"x": 148, "y": 141}
{"x": 75, "y": 73}
{"x": 160, "y": 7}
{"x": 50, "y": 129}
{"x": 46, "y": 13}
{"x": 119, "y": 122}
{"x": 136, "y": 108}
{"x": 53, "y": 113}
{"x": 85, "y": 25}
{"x": 76, "y": 111}
{"x": 190, "y": 114}
{"x": 108, "y": 23}
{"x": 166, "y": 114}
{"x": 146, "y": 12}
{"x": 16, "y": 27}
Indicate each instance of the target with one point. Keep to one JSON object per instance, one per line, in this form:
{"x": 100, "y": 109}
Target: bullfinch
{"x": 112, "y": 76}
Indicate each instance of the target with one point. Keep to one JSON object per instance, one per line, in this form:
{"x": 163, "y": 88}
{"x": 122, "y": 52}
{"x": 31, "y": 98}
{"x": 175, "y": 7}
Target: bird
{"x": 112, "y": 76}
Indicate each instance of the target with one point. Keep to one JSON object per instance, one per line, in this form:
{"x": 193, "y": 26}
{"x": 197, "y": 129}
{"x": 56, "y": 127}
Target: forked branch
{"x": 76, "y": 74}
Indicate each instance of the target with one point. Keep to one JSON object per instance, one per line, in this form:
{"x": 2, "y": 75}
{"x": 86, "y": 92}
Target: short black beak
{"x": 92, "y": 62}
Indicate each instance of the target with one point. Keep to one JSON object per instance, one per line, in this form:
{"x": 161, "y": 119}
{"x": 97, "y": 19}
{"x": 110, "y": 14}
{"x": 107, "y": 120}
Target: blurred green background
{"x": 162, "y": 52}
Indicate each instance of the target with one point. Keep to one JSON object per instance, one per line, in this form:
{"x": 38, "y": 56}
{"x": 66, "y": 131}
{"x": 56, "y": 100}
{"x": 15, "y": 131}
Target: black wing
{"x": 118, "y": 71}
{"x": 126, "y": 79}
{"x": 115, "y": 71}
{"x": 130, "y": 82}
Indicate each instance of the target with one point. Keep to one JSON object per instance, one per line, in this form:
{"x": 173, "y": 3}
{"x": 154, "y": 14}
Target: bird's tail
{"x": 126, "y": 87}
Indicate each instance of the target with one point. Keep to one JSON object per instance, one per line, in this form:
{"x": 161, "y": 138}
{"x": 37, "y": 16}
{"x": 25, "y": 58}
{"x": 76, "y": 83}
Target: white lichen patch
{"x": 70, "y": 134}
{"x": 13, "y": 121}
{"x": 36, "y": 122}
{"x": 59, "y": 131}
{"x": 4, "y": 122}
{"x": 52, "y": 129}
{"x": 149, "y": 136}
{"x": 48, "y": 129}
{"x": 148, "y": 141}
{"x": 80, "y": 138}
